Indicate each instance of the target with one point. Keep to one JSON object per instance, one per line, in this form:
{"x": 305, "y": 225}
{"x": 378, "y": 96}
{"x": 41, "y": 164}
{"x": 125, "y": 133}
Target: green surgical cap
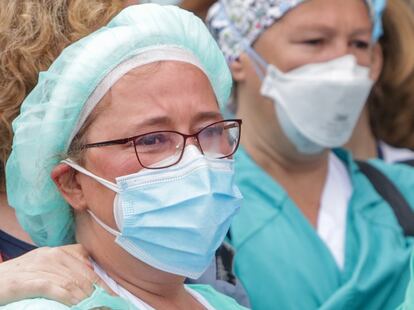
{"x": 61, "y": 101}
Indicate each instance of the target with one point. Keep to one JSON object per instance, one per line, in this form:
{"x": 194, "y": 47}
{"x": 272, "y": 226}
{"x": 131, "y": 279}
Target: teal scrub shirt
{"x": 100, "y": 298}
{"x": 283, "y": 264}
{"x": 409, "y": 296}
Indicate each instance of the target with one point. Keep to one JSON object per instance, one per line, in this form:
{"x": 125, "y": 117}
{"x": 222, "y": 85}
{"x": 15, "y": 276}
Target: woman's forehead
{"x": 158, "y": 98}
{"x": 325, "y": 16}
{"x": 311, "y": 11}
{"x": 160, "y": 73}
{"x": 161, "y": 85}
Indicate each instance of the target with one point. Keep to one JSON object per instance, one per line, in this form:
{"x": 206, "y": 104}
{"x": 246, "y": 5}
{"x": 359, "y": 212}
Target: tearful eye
{"x": 313, "y": 42}
{"x": 360, "y": 44}
{"x": 212, "y": 131}
{"x": 151, "y": 140}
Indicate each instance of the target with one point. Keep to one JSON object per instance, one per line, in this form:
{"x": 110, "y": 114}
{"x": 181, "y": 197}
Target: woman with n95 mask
{"x": 143, "y": 166}
{"x": 313, "y": 232}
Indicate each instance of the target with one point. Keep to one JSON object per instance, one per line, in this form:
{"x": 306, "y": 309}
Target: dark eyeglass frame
{"x": 185, "y": 136}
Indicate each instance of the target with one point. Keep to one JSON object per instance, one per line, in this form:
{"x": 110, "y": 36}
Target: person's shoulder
{"x": 216, "y": 299}
{"x": 35, "y": 304}
{"x": 401, "y": 175}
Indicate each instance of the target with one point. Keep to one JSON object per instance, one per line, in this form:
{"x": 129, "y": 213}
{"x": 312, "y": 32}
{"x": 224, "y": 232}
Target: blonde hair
{"x": 32, "y": 34}
{"x": 391, "y": 104}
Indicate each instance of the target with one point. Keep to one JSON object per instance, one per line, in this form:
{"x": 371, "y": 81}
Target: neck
{"x": 9, "y": 223}
{"x": 302, "y": 176}
{"x": 159, "y": 289}
{"x": 154, "y": 292}
{"x": 363, "y": 144}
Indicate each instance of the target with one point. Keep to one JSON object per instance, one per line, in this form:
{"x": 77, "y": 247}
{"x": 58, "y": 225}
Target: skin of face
{"x": 161, "y": 96}
{"x": 313, "y": 32}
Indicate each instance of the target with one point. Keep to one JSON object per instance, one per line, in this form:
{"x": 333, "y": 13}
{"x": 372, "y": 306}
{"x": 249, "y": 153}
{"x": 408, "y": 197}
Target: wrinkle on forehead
{"x": 309, "y": 13}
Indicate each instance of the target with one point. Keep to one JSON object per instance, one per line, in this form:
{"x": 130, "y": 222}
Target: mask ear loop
{"x": 103, "y": 225}
{"x": 104, "y": 182}
{"x": 259, "y": 63}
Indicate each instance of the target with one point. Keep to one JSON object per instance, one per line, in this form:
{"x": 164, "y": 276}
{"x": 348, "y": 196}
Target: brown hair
{"x": 32, "y": 34}
{"x": 198, "y": 7}
{"x": 391, "y": 104}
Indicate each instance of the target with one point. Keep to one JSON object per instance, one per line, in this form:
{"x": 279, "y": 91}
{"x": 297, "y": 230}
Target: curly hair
{"x": 391, "y": 103}
{"x": 32, "y": 34}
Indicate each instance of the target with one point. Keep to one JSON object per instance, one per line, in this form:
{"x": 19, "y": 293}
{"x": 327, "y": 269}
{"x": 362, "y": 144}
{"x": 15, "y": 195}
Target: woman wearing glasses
{"x": 313, "y": 233}
{"x": 127, "y": 123}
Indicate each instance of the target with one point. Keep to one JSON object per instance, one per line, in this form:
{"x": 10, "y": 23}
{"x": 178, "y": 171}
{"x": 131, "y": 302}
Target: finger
{"x": 79, "y": 272}
{"x": 79, "y": 252}
{"x": 54, "y": 287}
{"x": 102, "y": 284}
{"x": 69, "y": 262}
{"x": 87, "y": 279}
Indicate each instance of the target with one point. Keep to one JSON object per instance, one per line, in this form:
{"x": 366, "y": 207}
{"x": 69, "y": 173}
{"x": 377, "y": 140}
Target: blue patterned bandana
{"x": 236, "y": 24}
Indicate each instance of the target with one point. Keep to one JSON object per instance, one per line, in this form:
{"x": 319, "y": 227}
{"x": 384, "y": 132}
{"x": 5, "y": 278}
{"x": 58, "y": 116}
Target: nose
{"x": 194, "y": 142}
{"x": 339, "y": 48}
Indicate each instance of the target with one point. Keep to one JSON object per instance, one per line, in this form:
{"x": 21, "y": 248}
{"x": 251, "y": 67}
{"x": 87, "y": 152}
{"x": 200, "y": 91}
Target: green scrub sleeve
{"x": 216, "y": 299}
{"x": 99, "y": 298}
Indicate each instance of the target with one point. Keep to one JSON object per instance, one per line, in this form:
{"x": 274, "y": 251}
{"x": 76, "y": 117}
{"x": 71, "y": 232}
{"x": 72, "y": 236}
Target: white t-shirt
{"x": 122, "y": 292}
{"x": 331, "y": 226}
{"x": 392, "y": 154}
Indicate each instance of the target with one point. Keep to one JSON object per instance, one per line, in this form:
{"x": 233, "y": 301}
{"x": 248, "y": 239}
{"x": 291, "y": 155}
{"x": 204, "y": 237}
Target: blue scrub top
{"x": 283, "y": 264}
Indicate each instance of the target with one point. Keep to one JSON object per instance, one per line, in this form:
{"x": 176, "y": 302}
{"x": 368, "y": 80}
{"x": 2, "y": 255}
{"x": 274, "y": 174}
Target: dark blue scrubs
{"x": 10, "y": 247}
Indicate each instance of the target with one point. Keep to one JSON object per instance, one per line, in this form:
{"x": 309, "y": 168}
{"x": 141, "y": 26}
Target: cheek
{"x": 108, "y": 165}
{"x": 364, "y": 57}
{"x": 286, "y": 55}
{"x": 112, "y": 163}
{"x": 296, "y": 57}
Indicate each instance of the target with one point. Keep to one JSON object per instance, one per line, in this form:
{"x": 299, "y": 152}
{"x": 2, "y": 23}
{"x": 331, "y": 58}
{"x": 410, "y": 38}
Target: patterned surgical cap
{"x": 236, "y": 24}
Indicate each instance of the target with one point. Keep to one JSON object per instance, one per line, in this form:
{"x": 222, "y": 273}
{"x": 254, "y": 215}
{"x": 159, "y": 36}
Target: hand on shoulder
{"x": 63, "y": 274}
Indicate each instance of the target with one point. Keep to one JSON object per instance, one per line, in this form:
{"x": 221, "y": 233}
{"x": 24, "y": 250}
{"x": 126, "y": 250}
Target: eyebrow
{"x": 203, "y": 116}
{"x": 309, "y": 28}
{"x": 164, "y": 120}
{"x": 362, "y": 31}
{"x": 160, "y": 120}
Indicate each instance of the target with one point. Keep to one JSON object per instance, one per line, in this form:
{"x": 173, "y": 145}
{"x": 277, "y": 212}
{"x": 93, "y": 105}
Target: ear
{"x": 377, "y": 62}
{"x": 238, "y": 68}
{"x": 66, "y": 181}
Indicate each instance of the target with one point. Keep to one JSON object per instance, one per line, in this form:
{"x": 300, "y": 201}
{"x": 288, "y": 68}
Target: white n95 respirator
{"x": 317, "y": 105}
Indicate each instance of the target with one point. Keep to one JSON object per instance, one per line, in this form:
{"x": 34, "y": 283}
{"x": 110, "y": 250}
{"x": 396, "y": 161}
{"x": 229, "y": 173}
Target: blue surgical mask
{"x": 174, "y": 218}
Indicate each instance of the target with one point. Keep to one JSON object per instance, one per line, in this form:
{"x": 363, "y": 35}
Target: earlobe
{"x": 377, "y": 62}
{"x": 68, "y": 186}
{"x": 237, "y": 68}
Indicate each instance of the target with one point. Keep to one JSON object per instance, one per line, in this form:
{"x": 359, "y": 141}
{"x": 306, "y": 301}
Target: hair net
{"x": 236, "y": 24}
{"x": 65, "y": 94}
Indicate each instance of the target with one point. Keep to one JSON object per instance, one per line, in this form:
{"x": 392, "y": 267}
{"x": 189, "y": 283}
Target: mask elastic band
{"x": 104, "y": 182}
{"x": 103, "y": 225}
{"x": 258, "y": 62}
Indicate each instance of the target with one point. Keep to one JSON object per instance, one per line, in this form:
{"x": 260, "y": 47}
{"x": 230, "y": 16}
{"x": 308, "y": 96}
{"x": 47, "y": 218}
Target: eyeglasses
{"x": 162, "y": 149}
